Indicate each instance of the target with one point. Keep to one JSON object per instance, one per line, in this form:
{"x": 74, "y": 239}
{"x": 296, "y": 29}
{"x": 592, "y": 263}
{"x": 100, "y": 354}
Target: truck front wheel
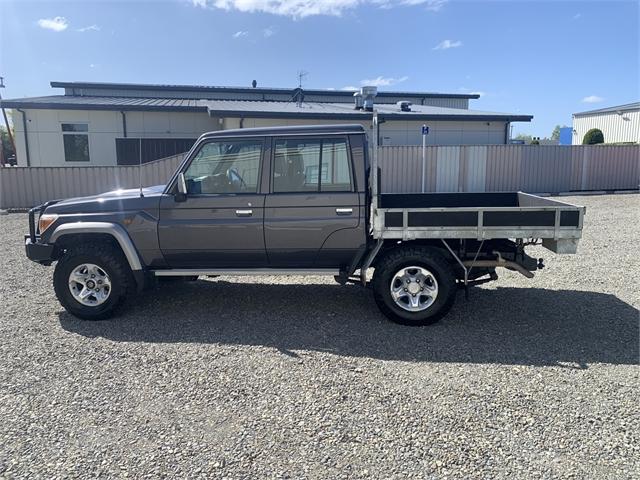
{"x": 92, "y": 281}
{"x": 414, "y": 286}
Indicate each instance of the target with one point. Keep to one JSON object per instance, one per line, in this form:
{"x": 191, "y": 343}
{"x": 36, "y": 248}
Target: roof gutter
{"x": 205, "y": 88}
{"x": 26, "y": 137}
{"x": 363, "y": 117}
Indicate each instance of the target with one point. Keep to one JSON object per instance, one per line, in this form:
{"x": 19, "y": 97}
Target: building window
{"x": 132, "y": 151}
{"x": 311, "y": 165}
{"x": 75, "y": 137}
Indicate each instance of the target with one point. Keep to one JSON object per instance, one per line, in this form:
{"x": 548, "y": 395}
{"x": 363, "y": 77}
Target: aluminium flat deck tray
{"x": 476, "y": 215}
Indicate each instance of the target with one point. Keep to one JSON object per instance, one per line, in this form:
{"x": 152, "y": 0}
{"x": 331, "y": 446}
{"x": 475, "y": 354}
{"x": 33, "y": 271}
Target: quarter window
{"x": 225, "y": 167}
{"x": 75, "y": 137}
{"x": 311, "y": 165}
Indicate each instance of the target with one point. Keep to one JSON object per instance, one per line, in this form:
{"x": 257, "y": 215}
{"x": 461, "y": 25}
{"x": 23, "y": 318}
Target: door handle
{"x": 244, "y": 213}
{"x": 344, "y": 211}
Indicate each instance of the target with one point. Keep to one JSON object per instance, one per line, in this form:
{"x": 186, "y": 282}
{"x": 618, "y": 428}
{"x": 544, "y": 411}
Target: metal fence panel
{"x": 473, "y": 169}
{"x": 24, "y": 187}
{"x": 531, "y": 168}
{"x": 448, "y": 169}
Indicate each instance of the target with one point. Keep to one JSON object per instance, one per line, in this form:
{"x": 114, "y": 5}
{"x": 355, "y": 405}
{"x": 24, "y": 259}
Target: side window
{"x": 75, "y": 138}
{"x": 311, "y": 165}
{"x": 227, "y": 166}
{"x": 336, "y": 174}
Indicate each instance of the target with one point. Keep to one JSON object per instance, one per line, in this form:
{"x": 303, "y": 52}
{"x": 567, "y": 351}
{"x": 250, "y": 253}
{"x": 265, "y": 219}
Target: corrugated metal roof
{"x": 257, "y": 109}
{"x": 105, "y": 103}
{"x": 191, "y": 88}
{"x": 620, "y": 108}
{"x": 345, "y": 111}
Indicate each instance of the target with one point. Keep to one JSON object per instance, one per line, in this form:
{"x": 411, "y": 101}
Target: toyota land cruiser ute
{"x": 301, "y": 200}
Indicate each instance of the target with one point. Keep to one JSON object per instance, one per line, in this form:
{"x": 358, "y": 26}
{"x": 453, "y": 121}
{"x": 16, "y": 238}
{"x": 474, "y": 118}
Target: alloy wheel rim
{"x": 414, "y": 288}
{"x": 89, "y": 284}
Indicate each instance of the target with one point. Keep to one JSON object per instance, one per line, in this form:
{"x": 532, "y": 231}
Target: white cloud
{"x": 240, "y": 34}
{"x": 90, "y": 28}
{"x": 577, "y": 16}
{"x": 306, "y": 8}
{"x": 447, "y": 44}
{"x": 349, "y": 88}
{"x": 436, "y": 5}
{"x": 381, "y": 81}
{"x": 431, "y": 5}
{"x": 57, "y": 24}
{"x": 269, "y": 32}
{"x": 592, "y": 99}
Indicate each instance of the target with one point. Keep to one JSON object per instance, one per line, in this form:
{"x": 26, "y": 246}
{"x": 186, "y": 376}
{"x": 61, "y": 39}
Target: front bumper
{"x": 39, "y": 252}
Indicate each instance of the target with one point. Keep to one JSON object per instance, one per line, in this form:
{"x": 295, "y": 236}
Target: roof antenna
{"x": 301, "y": 75}
{"x": 298, "y": 94}
{"x": 140, "y": 165}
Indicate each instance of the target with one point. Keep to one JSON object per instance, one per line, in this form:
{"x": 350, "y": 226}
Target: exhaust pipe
{"x": 499, "y": 262}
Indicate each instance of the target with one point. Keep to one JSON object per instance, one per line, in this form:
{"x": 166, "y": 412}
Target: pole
{"x": 6, "y": 123}
{"x": 374, "y": 164}
{"x": 140, "y": 164}
{"x": 424, "y": 153}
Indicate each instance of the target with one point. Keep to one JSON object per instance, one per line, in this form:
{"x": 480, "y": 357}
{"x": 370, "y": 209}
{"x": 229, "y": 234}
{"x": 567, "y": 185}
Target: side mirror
{"x": 181, "y": 195}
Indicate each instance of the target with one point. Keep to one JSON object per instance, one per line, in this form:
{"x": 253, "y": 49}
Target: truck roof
{"x": 288, "y": 130}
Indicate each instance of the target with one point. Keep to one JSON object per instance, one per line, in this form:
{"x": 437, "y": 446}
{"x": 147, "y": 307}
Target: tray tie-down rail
{"x": 468, "y": 265}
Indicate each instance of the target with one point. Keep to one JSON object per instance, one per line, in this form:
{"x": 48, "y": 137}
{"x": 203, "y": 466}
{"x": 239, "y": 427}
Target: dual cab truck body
{"x": 292, "y": 200}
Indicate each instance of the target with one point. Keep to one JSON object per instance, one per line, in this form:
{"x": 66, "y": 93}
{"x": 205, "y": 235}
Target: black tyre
{"x": 92, "y": 281}
{"x": 414, "y": 285}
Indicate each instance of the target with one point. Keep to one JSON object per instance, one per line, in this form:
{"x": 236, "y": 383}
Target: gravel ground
{"x": 301, "y": 378}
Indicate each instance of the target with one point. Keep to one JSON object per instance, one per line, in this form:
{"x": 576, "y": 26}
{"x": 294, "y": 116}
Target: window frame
{"x": 66, "y": 133}
{"x": 197, "y": 148}
{"x": 321, "y": 139}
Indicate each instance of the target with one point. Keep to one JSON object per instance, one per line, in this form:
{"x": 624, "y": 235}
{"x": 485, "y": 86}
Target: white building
{"x": 109, "y": 124}
{"x": 619, "y": 124}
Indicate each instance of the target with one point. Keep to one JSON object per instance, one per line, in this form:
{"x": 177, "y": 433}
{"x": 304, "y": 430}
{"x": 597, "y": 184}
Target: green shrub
{"x": 593, "y": 137}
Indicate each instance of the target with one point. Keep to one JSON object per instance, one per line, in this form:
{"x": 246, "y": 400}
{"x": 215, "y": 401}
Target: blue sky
{"x": 547, "y": 59}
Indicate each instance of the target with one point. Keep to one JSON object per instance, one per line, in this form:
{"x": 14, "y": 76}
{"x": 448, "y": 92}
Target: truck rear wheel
{"x": 92, "y": 281}
{"x": 414, "y": 286}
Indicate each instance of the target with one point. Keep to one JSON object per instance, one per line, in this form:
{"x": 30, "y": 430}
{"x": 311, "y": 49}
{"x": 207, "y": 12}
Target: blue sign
{"x": 425, "y": 130}
{"x": 566, "y": 136}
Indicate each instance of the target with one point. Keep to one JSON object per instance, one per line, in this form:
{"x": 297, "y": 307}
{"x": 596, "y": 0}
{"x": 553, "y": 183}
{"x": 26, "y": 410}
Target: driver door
{"x": 220, "y": 224}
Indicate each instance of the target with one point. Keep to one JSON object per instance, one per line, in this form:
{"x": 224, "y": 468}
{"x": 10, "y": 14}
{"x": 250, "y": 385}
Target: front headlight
{"x": 45, "y": 221}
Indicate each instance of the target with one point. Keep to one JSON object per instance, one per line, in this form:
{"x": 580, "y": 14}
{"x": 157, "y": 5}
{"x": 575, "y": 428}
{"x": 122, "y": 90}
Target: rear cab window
{"x": 313, "y": 164}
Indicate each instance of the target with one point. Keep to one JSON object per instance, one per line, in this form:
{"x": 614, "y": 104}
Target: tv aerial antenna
{"x": 301, "y": 75}
{"x": 298, "y": 94}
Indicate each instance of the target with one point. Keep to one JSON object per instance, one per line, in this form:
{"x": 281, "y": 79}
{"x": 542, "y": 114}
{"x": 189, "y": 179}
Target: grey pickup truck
{"x": 292, "y": 201}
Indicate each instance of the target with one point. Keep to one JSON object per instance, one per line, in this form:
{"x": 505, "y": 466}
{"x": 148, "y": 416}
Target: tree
{"x": 5, "y": 144}
{"x": 593, "y": 137}
{"x": 527, "y": 138}
{"x": 555, "y": 135}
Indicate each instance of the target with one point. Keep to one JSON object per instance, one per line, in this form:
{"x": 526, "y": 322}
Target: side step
{"x": 187, "y": 272}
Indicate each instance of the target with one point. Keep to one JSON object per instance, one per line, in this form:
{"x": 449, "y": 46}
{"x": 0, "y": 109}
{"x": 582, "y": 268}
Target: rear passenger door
{"x": 312, "y": 214}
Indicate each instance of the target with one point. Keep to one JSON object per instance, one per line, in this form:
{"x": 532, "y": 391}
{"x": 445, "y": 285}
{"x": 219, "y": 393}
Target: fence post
{"x": 424, "y": 154}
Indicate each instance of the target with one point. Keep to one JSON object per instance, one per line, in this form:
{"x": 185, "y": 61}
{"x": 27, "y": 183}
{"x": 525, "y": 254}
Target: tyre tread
{"x": 107, "y": 255}
{"x": 425, "y": 253}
